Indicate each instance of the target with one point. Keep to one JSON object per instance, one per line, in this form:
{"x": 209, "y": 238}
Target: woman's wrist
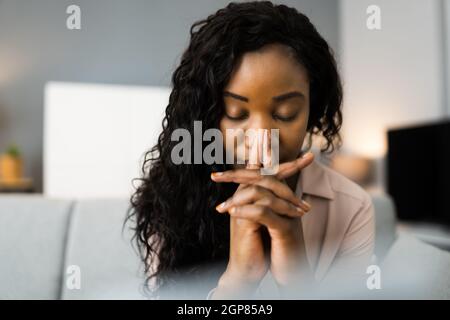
{"x": 234, "y": 286}
{"x": 292, "y": 273}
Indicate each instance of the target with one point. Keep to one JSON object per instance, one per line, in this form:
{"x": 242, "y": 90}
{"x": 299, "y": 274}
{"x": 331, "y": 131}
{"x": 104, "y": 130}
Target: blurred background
{"x": 78, "y": 107}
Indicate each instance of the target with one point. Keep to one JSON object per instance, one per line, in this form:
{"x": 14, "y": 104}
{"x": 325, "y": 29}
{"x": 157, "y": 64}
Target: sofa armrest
{"x": 385, "y": 223}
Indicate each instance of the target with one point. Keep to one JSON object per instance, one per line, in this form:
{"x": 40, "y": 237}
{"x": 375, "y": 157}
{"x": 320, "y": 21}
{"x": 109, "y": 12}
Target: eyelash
{"x": 284, "y": 119}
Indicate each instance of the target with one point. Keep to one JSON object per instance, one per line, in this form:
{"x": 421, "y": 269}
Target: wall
{"x": 393, "y": 76}
{"x": 121, "y": 42}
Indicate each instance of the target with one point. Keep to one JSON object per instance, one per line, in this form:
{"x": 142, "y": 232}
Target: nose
{"x": 257, "y": 144}
{"x": 260, "y": 120}
{"x": 259, "y": 125}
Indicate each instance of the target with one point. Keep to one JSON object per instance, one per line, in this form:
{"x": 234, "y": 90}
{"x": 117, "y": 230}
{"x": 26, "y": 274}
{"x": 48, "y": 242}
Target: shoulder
{"x": 345, "y": 191}
{"x": 351, "y": 211}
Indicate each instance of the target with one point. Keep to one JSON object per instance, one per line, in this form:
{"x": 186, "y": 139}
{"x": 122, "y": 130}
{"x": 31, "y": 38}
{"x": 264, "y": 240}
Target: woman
{"x": 254, "y": 65}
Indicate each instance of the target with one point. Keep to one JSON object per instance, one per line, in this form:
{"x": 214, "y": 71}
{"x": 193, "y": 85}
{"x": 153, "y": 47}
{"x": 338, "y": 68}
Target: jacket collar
{"x": 314, "y": 180}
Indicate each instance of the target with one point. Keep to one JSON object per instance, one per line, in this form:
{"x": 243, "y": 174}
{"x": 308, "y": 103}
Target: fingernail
{"x": 232, "y": 210}
{"x": 306, "y": 204}
{"x": 305, "y": 155}
{"x": 216, "y": 174}
{"x": 221, "y": 206}
{"x": 300, "y": 210}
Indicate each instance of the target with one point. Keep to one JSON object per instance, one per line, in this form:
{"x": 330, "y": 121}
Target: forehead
{"x": 271, "y": 70}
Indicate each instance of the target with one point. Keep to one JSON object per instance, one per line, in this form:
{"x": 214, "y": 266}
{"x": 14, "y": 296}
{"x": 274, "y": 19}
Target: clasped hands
{"x": 264, "y": 203}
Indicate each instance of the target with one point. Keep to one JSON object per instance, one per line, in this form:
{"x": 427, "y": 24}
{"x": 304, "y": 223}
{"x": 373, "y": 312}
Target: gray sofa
{"x": 40, "y": 238}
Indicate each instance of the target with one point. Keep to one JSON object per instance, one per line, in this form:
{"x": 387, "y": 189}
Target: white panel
{"x": 95, "y": 136}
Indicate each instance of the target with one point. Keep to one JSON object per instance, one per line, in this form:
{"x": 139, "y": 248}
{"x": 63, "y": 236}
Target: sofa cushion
{"x": 32, "y": 237}
{"x": 110, "y": 266}
{"x": 41, "y": 238}
{"x": 385, "y": 224}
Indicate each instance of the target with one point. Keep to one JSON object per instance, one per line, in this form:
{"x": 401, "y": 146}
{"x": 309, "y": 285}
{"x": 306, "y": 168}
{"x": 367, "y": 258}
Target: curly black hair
{"x": 173, "y": 208}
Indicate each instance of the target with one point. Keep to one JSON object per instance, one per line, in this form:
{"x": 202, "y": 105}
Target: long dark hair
{"x": 173, "y": 208}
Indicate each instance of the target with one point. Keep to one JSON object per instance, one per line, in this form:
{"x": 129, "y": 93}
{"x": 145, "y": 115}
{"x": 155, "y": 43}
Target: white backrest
{"x": 95, "y": 136}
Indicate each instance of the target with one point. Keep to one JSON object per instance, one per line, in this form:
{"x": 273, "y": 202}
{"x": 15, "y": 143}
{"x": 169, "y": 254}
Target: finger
{"x": 281, "y": 207}
{"x": 266, "y": 147}
{"x": 251, "y": 194}
{"x": 254, "y": 147}
{"x": 260, "y": 214}
{"x": 277, "y": 187}
{"x": 250, "y": 175}
{"x": 248, "y": 195}
{"x": 288, "y": 169}
{"x": 283, "y": 191}
{"x": 259, "y": 195}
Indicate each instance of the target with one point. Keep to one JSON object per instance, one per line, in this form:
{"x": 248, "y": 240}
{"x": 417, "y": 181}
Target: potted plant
{"x": 11, "y": 165}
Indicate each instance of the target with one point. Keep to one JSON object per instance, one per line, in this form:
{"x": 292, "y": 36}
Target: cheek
{"x": 229, "y": 143}
{"x": 292, "y": 137}
{"x": 225, "y": 124}
{"x": 222, "y": 128}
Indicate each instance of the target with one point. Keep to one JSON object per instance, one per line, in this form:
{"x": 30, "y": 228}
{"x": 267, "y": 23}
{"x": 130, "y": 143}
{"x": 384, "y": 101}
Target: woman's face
{"x": 268, "y": 89}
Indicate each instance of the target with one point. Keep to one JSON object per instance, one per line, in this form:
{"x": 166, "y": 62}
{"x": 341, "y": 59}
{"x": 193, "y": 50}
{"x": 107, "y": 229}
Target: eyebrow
{"x": 282, "y": 97}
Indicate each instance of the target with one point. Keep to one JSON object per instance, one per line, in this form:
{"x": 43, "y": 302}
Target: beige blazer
{"x": 340, "y": 228}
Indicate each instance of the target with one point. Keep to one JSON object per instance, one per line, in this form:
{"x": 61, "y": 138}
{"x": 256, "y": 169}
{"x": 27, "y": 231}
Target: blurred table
{"x": 24, "y": 185}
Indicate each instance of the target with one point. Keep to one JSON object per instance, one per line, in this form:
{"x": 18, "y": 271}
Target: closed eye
{"x": 237, "y": 118}
{"x": 285, "y": 118}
